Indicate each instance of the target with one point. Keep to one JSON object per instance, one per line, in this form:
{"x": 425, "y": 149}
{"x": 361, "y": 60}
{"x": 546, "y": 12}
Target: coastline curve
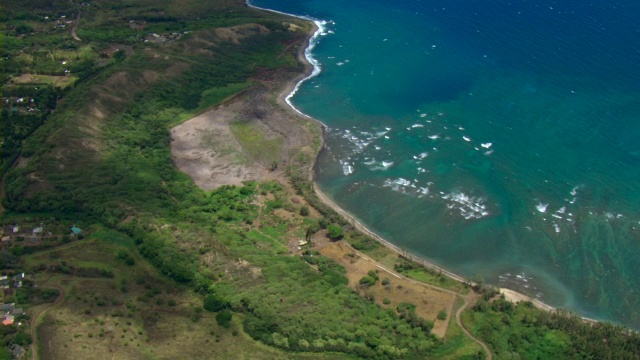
{"x": 308, "y": 57}
{"x": 314, "y": 69}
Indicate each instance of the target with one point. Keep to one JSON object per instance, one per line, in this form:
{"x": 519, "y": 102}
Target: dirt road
{"x": 35, "y": 317}
{"x": 466, "y": 299}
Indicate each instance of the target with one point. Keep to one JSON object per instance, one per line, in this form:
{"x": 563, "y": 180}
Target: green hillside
{"x": 163, "y": 269}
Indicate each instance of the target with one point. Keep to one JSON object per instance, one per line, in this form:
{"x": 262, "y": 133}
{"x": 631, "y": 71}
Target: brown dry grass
{"x": 58, "y": 81}
{"x": 428, "y": 301}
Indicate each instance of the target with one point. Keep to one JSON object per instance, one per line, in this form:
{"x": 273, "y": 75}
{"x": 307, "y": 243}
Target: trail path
{"x": 464, "y": 329}
{"x": 74, "y": 28}
{"x": 36, "y": 317}
{"x": 467, "y": 299}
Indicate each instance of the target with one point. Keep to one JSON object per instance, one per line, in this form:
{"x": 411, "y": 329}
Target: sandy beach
{"x": 212, "y": 163}
{"x": 511, "y": 295}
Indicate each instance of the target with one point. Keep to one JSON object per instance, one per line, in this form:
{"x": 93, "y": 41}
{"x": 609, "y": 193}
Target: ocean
{"x": 496, "y": 139}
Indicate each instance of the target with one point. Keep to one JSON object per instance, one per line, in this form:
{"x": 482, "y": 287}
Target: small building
{"x": 76, "y": 230}
{"x": 8, "y": 320}
{"x": 20, "y": 276}
{"x": 5, "y": 308}
{"x": 38, "y": 230}
{"x": 16, "y": 229}
{"x": 17, "y": 351}
{"x": 17, "y": 312}
{"x": 6, "y": 238}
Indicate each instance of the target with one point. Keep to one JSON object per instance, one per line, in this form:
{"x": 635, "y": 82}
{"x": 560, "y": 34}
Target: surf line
{"x": 321, "y": 26}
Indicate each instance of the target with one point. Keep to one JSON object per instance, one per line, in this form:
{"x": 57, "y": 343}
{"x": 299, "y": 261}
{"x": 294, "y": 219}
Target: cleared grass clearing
{"x": 433, "y": 279}
{"x": 34, "y": 79}
{"x": 216, "y": 95}
{"x": 256, "y": 144}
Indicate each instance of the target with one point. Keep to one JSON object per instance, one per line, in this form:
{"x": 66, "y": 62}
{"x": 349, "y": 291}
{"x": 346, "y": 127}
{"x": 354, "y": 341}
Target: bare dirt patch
{"x": 205, "y": 149}
{"x": 213, "y": 150}
{"x": 235, "y": 34}
{"x": 429, "y": 301}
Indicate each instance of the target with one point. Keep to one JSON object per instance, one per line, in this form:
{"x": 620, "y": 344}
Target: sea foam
{"x": 469, "y": 207}
{"x": 313, "y": 41}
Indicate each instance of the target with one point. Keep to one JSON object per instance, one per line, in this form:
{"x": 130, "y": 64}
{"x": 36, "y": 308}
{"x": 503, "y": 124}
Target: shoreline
{"x": 312, "y": 69}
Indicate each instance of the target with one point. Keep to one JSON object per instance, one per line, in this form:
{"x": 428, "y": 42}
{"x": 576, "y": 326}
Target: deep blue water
{"x": 490, "y": 137}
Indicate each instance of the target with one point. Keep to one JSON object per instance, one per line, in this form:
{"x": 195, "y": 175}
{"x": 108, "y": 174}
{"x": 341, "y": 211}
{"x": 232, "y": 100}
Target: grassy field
{"x": 135, "y": 314}
{"x": 34, "y": 79}
{"x": 258, "y": 147}
{"x": 456, "y": 344}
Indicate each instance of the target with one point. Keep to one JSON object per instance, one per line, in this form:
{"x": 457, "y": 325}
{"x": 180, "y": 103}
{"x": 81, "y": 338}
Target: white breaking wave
{"x": 407, "y": 187}
{"x": 313, "y": 41}
{"x": 421, "y": 156}
{"x": 469, "y": 207}
{"x": 542, "y": 207}
{"x": 347, "y": 169}
{"x": 574, "y": 191}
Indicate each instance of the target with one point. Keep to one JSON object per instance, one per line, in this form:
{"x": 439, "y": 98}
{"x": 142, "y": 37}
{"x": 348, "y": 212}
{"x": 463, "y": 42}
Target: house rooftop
{"x": 17, "y": 311}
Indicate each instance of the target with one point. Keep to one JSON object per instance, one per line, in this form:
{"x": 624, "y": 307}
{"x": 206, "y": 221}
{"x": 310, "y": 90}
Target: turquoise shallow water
{"x": 490, "y": 137}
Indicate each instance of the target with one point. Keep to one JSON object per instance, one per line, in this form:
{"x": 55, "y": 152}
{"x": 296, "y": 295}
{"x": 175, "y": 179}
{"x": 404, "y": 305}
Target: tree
{"x": 335, "y": 231}
{"x": 23, "y": 338}
{"x": 367, "y": 281}
{"x": 223, "y": 318}
{"x": 214, "y": 304}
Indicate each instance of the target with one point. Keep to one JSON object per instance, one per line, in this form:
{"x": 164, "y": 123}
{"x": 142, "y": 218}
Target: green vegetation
{"x": 335, "y": 231}
{"x": 258, "y": 147}
{"x": 512, "y": 330}
{"x": 428, "y": 275}
{"x": 118, "y": 175}
{"x": 223, "y": 318}
{"x": 215, "y": 95}
{"x": 94, "y": 150}
{"x": 214, "y": 304}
